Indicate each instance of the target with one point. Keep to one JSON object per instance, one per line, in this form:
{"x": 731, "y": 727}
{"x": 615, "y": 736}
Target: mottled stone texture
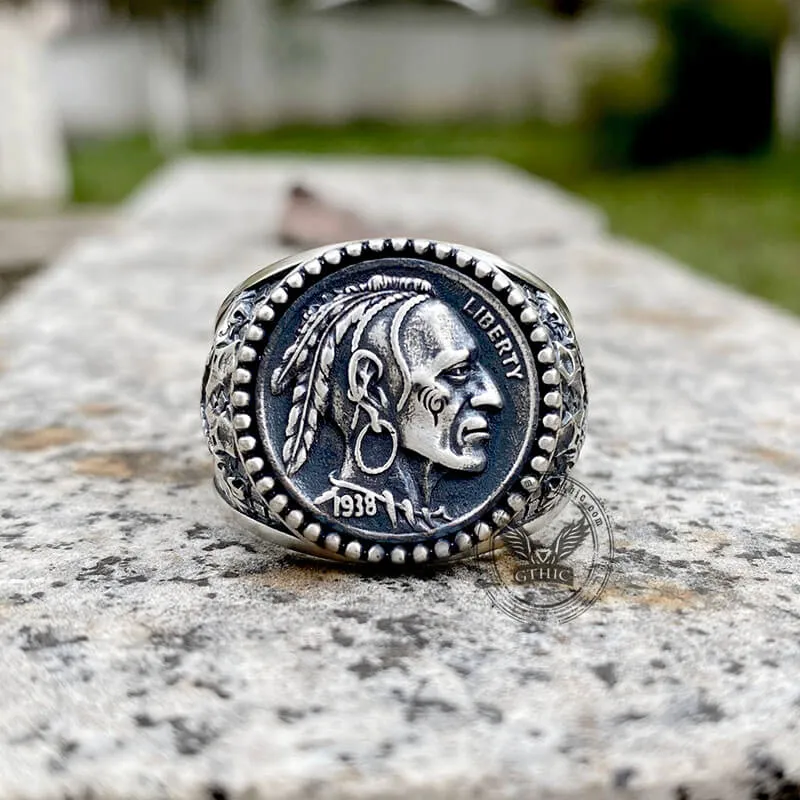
{"x": 148, "y": 648}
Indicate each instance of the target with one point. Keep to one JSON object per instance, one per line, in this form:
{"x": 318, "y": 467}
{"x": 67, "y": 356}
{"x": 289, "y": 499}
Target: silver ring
{"x": 394, "y": 401}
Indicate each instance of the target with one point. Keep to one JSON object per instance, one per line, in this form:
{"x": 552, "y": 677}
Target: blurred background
{"x": 679, "y": 118}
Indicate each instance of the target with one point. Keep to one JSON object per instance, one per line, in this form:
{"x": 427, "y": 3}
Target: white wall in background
{"x": 100, "y": 80}
{"x": 389, "y": 64}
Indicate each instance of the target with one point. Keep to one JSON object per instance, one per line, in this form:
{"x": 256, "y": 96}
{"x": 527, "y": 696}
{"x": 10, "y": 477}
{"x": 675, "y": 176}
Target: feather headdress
{"x": 307, "y": 362}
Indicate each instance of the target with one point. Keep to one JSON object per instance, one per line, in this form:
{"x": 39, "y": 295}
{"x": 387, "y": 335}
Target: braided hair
{"x": 306, "y": 364}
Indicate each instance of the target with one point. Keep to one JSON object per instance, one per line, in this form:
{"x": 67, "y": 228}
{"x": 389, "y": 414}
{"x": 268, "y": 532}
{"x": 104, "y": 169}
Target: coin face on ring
{"x": 399, "y": 397}
{"x": 387, "y": 400}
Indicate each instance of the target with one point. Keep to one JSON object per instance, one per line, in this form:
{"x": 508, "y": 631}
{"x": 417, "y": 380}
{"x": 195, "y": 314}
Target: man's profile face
{"x": 445, "y": 418}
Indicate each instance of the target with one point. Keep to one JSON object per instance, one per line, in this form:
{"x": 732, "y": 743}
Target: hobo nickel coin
{"x": 394, "y": 401}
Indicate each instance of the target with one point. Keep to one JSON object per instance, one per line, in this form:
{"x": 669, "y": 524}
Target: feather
{"x": 570, "y": 538}
{"x": 520, "y": 545}
{"x": 311, "y": 404}
{"x": 310, "y": 333}
{"x": 307, "y": 336}
{"x": 303, "y": 420}
{"x": 310, "y": 358}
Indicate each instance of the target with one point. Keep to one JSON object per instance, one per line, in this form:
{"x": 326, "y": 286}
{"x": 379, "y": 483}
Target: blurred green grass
{"x": 738, "y": 221}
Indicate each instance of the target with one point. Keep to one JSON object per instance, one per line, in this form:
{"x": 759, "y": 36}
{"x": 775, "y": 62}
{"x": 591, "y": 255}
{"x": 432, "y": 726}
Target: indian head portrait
{"x": 391, "y": 394}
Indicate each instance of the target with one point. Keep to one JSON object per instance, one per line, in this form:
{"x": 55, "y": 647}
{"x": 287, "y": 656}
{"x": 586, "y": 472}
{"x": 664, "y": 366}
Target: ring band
{"x": 393, "y": 400}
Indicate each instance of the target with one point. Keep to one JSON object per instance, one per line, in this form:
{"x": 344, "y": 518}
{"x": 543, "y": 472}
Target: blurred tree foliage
{"x": 707, "y": 89}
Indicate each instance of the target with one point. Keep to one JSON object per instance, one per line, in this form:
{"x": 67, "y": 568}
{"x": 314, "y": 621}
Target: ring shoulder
{"x": 574, "y": 396}
{"x": 218, "y": 413}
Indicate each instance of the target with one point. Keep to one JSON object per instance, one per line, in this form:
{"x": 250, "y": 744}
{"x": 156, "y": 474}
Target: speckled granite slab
{"x": 150, "y": 649}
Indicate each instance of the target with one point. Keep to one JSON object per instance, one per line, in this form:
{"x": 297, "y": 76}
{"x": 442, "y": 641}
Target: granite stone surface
{"x": 149, "y": 648}
{"x": 27, "y": 243}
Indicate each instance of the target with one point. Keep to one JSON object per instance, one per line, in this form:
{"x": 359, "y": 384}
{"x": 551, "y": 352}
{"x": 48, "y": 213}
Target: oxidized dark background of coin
{"x": 398, "y": 397}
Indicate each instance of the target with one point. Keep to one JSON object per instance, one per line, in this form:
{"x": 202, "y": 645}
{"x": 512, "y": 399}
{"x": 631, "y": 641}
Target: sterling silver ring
{"x": 395, "y": 401}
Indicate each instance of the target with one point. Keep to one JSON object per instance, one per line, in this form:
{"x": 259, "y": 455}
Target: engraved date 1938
{"x": 354, "y": 505}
